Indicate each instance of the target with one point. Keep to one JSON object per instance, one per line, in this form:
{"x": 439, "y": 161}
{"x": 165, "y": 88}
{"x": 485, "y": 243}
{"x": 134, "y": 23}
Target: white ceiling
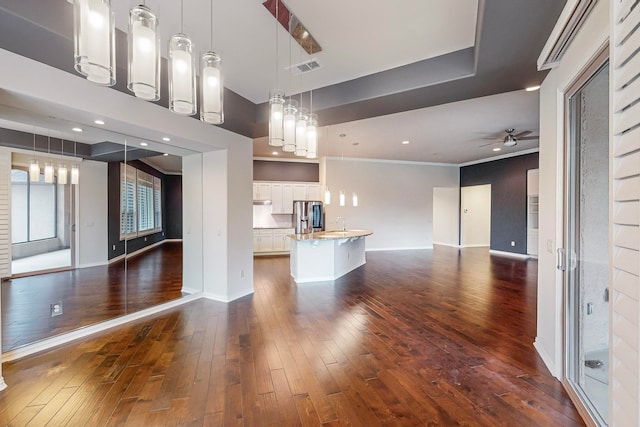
{"x": 358, "y": 37}
{"x": 449, "y": 133}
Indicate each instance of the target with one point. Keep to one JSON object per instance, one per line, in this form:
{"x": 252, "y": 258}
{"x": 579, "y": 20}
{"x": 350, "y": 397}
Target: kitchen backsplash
{"x": 262, "y": 218}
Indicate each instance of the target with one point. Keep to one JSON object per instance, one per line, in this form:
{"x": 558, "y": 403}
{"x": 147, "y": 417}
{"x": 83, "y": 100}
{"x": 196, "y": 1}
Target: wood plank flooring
{"x": 88, "y": 295}
{"x": 413, "y": 338}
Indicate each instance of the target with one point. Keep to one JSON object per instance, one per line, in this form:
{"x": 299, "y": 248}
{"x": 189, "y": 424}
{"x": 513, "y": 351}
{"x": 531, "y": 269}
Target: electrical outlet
{"x": 56, "y": 308}
{"x": 241, "y": 273}
{"x": 114, "y": 247}
{"x": 513, "y": 243}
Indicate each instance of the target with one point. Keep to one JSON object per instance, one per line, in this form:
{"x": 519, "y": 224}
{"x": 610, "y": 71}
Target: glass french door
{"x": 585, "y": 257}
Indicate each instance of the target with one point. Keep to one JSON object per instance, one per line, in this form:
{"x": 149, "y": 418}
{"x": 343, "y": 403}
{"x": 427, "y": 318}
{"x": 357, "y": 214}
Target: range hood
{"x": 262, "y": 202}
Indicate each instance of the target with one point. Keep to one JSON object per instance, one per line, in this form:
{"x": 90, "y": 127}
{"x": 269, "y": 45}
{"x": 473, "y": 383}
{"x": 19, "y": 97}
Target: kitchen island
{"x": 326, "y": 255}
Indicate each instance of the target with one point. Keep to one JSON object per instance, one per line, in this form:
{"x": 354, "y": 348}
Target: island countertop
{"x": 331, "y": 235}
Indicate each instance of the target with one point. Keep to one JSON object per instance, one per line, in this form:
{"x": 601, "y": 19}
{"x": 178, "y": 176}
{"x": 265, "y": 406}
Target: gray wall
{"x": 508, "y": 179}
{"x": 264, "y": 170}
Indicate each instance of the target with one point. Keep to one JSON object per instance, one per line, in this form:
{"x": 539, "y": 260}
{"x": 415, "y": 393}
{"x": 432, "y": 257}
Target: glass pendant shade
{"x": 62, "y": 174}
{"x": 312, "y": 136}
{"x": 276, "y": 118}
{"x": 211, "y": 89}
{"x": 182, "y": 80}
{"x": 75, "y": 175}
{"x": 34, "y": 171}
{"x": 48, "y": 173}
{"x": 342, "y": 198}
{"x": 94, "y": 41}
{"x": 144, "y": 54}
{"x": 301, "y": 132}
{"x": 354, "y": 200}
{"x": 327, "y": 196}
{"x": 289, "y": 117}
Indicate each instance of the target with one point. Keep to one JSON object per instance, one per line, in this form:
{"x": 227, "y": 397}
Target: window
{"x": 33, "y": 208}
{"x": 140, "y": 202}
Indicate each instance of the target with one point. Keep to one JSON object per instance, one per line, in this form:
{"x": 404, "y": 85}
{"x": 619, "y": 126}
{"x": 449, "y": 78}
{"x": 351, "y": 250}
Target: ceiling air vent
{"x": 305, "y": 67}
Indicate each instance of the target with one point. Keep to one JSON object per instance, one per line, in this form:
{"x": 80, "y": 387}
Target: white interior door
{"x": 475, "y": 215}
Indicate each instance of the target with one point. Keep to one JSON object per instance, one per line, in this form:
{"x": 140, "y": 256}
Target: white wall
{"x": 192, "y": 264}
{"x": 587, "y": 43}
{"x": 91, "y": 226}
{"x": 446, "y": 216}
{"x": 395, "y": 199}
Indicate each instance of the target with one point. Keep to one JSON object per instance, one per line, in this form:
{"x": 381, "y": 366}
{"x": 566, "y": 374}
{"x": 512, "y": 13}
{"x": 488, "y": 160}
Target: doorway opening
{"x": 475, "y": 216}
{"x": 586, "y": 236}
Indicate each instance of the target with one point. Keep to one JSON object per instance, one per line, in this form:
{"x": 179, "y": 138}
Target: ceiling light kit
{"x": 94, "y": 57}
{"x": 510, "y": 140}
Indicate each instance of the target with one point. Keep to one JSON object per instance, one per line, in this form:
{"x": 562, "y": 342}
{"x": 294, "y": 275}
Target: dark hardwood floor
{"x": 413, "y": 338}
{"x": 88, "y": 295}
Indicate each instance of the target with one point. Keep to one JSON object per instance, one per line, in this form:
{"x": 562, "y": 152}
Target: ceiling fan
{"x": 509, "y": 140}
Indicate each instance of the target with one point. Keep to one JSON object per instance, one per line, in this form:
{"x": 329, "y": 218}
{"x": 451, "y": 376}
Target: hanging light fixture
{"x": 182, "y": 80}
{"x": 62, "y": 168}
{"x": 301, "y": 132}
{"x": 276, "y": 102}
{"x": 34, "y": 166}
{"x": 342, "y": 198}
{"x": 211, "y": 88}
{"x": 144, "y": 53}
{"x": 94, "y": 41}
{"x": 75, "y": 172}
{"x": 312, "y": 136}
{"x": 48, "y": 167}
{"x": 290, "y": 109}
{"x": 354, "y": 200}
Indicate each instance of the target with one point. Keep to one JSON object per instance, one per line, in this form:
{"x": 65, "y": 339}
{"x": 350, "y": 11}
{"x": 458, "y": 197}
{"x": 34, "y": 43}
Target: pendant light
{"x": 276, "y": 102}
{"x": 94, "y": 41}
{"x": 354, "y": 200}
{"x": 327, "y": 191}
{"x": 301, "y": 132}
{"x": 62, "y": 168}
{"x": 290, "y": 110}
{"x": 342, "y": 198}
{"x": 182, "y": 80}
{"x": 34, "y": 166}
{"x": 144, "y": 54}
{"x": 211, "y": 88}
{"x": 75, "y": 172}
{"x": 312, "y": 136}
{"x": 48, "y": 167}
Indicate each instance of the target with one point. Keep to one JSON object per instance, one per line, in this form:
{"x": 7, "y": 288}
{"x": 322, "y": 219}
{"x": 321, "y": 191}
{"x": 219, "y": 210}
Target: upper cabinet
{"x": 306, "y": 191}
{"x": 281, "y": 198}
{"x": 261, "y": 191}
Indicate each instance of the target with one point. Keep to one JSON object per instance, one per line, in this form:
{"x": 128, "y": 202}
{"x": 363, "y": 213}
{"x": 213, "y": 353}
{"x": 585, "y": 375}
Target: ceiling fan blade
{"x": 521, "y": 134}
{"x": 491, "y": 143}
{"x": 493, "y": 138}
{"x": 529, "y": 137}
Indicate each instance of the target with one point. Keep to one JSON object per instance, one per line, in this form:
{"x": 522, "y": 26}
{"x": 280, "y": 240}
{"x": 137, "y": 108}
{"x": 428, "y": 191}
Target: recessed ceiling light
{"x": 144, "y": 144}
{"x": 98, "y": 122}
{"x": 342, "y": 135}
{"x": 497, "y": 149}
{"x": 275, "y": 153}
{"x": 165, "y": 154}
{"x": 76, "y": 129}
{"x": 532, "y": 88}
{"x": 166, "y": 139}
{"x": 405, "y": 142}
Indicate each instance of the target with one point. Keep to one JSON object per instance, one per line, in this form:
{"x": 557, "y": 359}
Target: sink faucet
{"x": 341, "y": 219}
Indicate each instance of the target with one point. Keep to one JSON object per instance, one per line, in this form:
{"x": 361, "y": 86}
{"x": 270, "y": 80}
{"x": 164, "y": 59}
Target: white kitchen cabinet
{"x": 306, "y": 191}
{"x": 261, "y": 191}
{"x": 313, "y": 192}
{"x": 281, "y": 243}
{"x": 281, "y": 198}
{"x": 263, "y": 240}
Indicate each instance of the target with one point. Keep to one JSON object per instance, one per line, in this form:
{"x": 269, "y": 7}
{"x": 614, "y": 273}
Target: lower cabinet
{"x": 271, "y": 240}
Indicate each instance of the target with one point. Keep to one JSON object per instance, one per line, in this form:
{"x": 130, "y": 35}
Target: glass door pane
{"x": 587, "y": 225}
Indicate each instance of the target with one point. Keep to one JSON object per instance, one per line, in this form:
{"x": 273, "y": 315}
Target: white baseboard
{"x": 509, "y": 254}
{"x": 191, "y": 291}
{"x": 451, "y": 245}
{"x": 224, "y": 298}
{"x": 92, "y": 264}
{"x": 546, "y": 358}
{"x": 474, "y": 246}
{"x": 49, "y": 343}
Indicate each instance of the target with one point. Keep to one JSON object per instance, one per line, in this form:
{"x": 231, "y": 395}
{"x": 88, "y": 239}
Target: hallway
{"x": 439, "y": 337}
